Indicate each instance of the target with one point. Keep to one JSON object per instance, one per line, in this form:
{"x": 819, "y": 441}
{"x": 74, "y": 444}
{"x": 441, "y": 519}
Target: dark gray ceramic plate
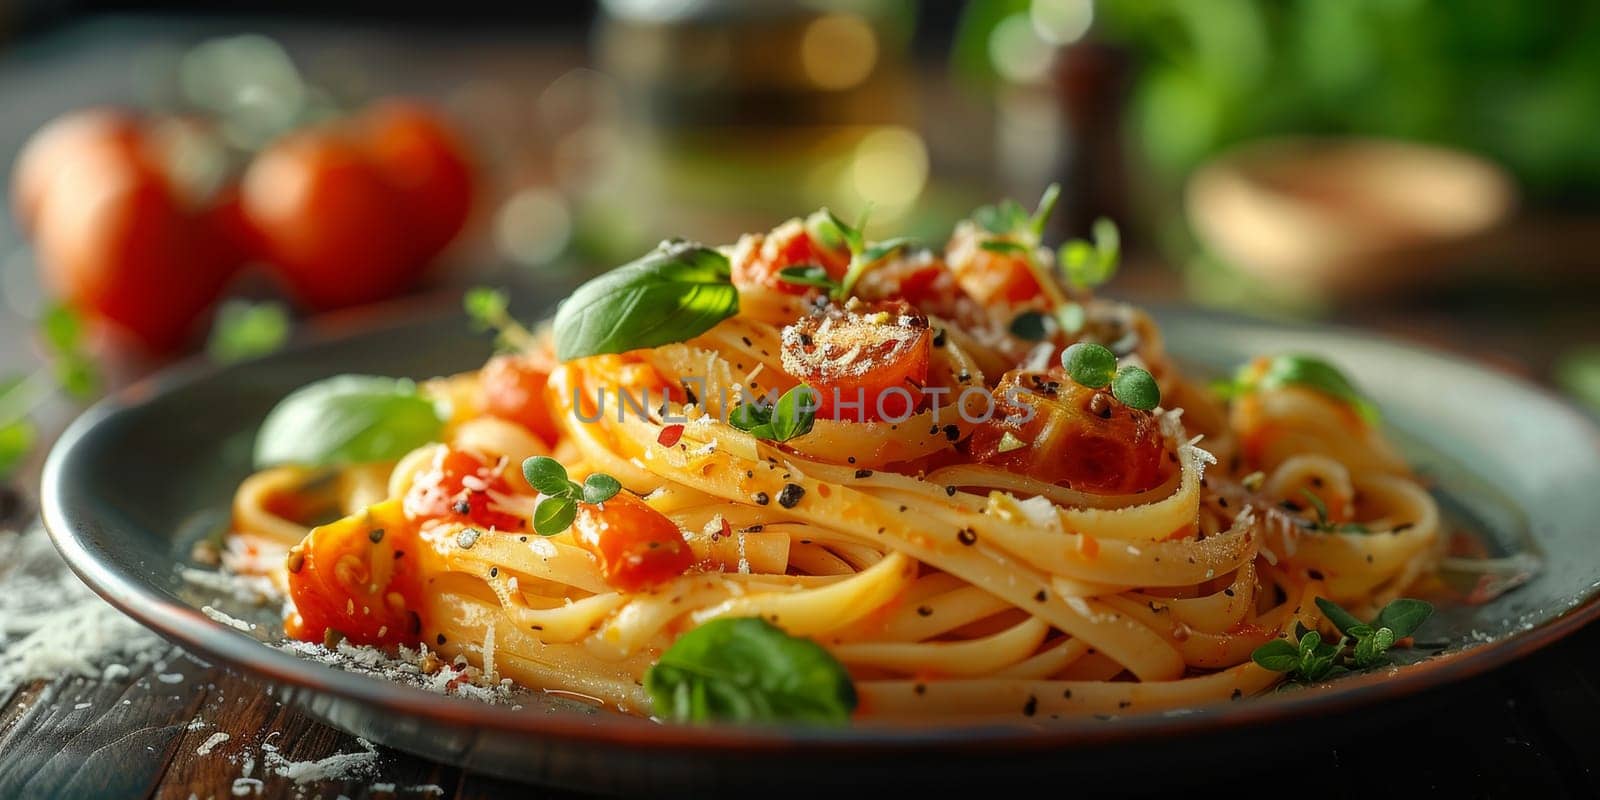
{"x": 137, "y": 478}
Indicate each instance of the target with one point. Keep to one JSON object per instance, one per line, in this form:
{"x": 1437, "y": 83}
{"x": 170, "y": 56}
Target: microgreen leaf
{"x": 1404, "y": 616}
{"x": 1277, "y": 655}
{"x": 1088, "y": 265}
{"x": 1090, "y": 364}
{"x": 808, "y": 275}
{"x": 547, "y": 476}
{"x": 1318, "y": 505}
{"x": 246, "y": 330}
{"x": 486, "y": 306}
{"x": 1071, "y": 317}
{"x": 1300, "y": 370}
{"x": 1004, "y": 217}
{"x": 749, "y": 416}
{"x": 600, "y": 487}
{"x": 1003, "y": 246}
{"x": 1136, "y": 388}
{"x": 554, "y": 515}
{"x": 748, "y": 670}
{"x": 1345, "y": 621}
{"x": 62, "y": 329}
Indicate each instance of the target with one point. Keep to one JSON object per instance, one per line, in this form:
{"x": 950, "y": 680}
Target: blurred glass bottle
{"x": 745, "y": 112}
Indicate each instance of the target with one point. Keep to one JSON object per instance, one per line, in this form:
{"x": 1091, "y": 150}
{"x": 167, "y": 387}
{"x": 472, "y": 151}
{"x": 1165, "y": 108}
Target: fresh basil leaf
{"x": 1345, "y": 621}
{"x": 748, "y": 670}
{"x": 852, "y": 235}
{"x": 347, "y": 419}
{"x": 1277, "y": 655}
{"x": 547, "y": 476}
{"x": 16, "y": 439}
{"x": 1404, "y": 616}
{"x": 600, "y": 487}
{"x": 1309, "y": 642}
{"x": 676, "y": 292}
{"x": 807, "y": 275}
{"x": 794, "y": 414}
{"x": 554, "y": 515}
{"x": 1314, "y": 373}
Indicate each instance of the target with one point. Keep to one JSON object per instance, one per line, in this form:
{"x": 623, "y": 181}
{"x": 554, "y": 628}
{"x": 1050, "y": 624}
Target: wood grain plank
{"x": 94, "y": 738}
{"x": 257, "y": 727}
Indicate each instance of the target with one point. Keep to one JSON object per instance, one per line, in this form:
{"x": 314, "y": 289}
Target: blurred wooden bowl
{"x": 1346, "y": 216}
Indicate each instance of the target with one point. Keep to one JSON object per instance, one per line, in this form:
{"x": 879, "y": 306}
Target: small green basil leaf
{"x": 1404, "y": 616}
{"x": 486, "y": 306}
{"x": 676, "y": 292}
{"x": 1314, "y": 373}
{"x": 554, "y": 515}
{"x": 1309, "y": 643}
{"x": 1276, "y": 655}
{"x": 347, "y": 419}
{"x": 1046, "y": 207}
{"x": 547, "y": 476}
{"x": 1345, "y": 621}
{"x": 852, "y": 236}
{"x": 807, "y": 275}
{"x": 794, "y": 414}
{"x": 600, "y": 487}
{"x": 748, "y": 670}
{"x": 1136, "y": 388}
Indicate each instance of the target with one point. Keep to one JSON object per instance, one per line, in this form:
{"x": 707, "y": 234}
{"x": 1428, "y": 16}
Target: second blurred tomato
{"x": 352, "y": 212}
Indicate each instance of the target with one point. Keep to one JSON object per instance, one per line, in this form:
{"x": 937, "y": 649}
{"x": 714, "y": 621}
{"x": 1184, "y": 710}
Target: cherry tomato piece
{"x": 459, "y": 486}
{"x": 64, "y": 140}
{"x": 1064, "y": 433}
{"x": 864, "y": 364}
{"x": 637, "y": 546}
{"x": 989, "y": 276}
{"x": 759, "y": 258}
{"x": 514, "y": 390}
{"x": 349, "y": 576}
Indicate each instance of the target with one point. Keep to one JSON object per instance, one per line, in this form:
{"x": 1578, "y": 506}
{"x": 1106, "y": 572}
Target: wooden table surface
{"x": 1525, "y": 730}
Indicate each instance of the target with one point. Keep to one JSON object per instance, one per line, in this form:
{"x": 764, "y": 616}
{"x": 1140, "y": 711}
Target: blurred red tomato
{"x": 426, "y": 164}
{"x": 352, "y": 212}
{"x": 57, "y": 144}
{"x": 326, "y": 219}
{"x": 118, "y": 238}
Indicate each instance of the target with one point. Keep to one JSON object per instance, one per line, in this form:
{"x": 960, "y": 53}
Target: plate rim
{"x": 184, "y": 625}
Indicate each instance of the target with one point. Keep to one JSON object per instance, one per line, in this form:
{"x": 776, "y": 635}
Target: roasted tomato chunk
{"x": 866, "y": 362}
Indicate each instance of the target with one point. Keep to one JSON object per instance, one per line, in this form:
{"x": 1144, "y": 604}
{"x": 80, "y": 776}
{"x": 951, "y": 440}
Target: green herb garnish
{"x": 792, "y": 416}
{"x": 1362, "y": 645}
{"x": 1090, "y": 264}
{"x": 246, "y": 330}
{"x": 1323, "y": 523}
{"x": 1095, "y": 366}
{"x": 676, "y": 292}
{"x": 71, "y": 370}
{"x": 561, "y": 495}
{"x": 831, "y": 231}
{"x": 1299, "y": 370}
{"x": 749, "y": 670}
{"x": 348, "y": 419}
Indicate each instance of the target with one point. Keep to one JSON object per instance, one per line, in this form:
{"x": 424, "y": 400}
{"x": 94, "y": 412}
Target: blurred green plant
{"x": 71, "y": 370}
{"x": 246, "y": 330}
{"x": 1518, "y": 82}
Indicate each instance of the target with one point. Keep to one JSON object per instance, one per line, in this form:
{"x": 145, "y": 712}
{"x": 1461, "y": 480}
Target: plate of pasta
{"x": 809, "y": 490}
